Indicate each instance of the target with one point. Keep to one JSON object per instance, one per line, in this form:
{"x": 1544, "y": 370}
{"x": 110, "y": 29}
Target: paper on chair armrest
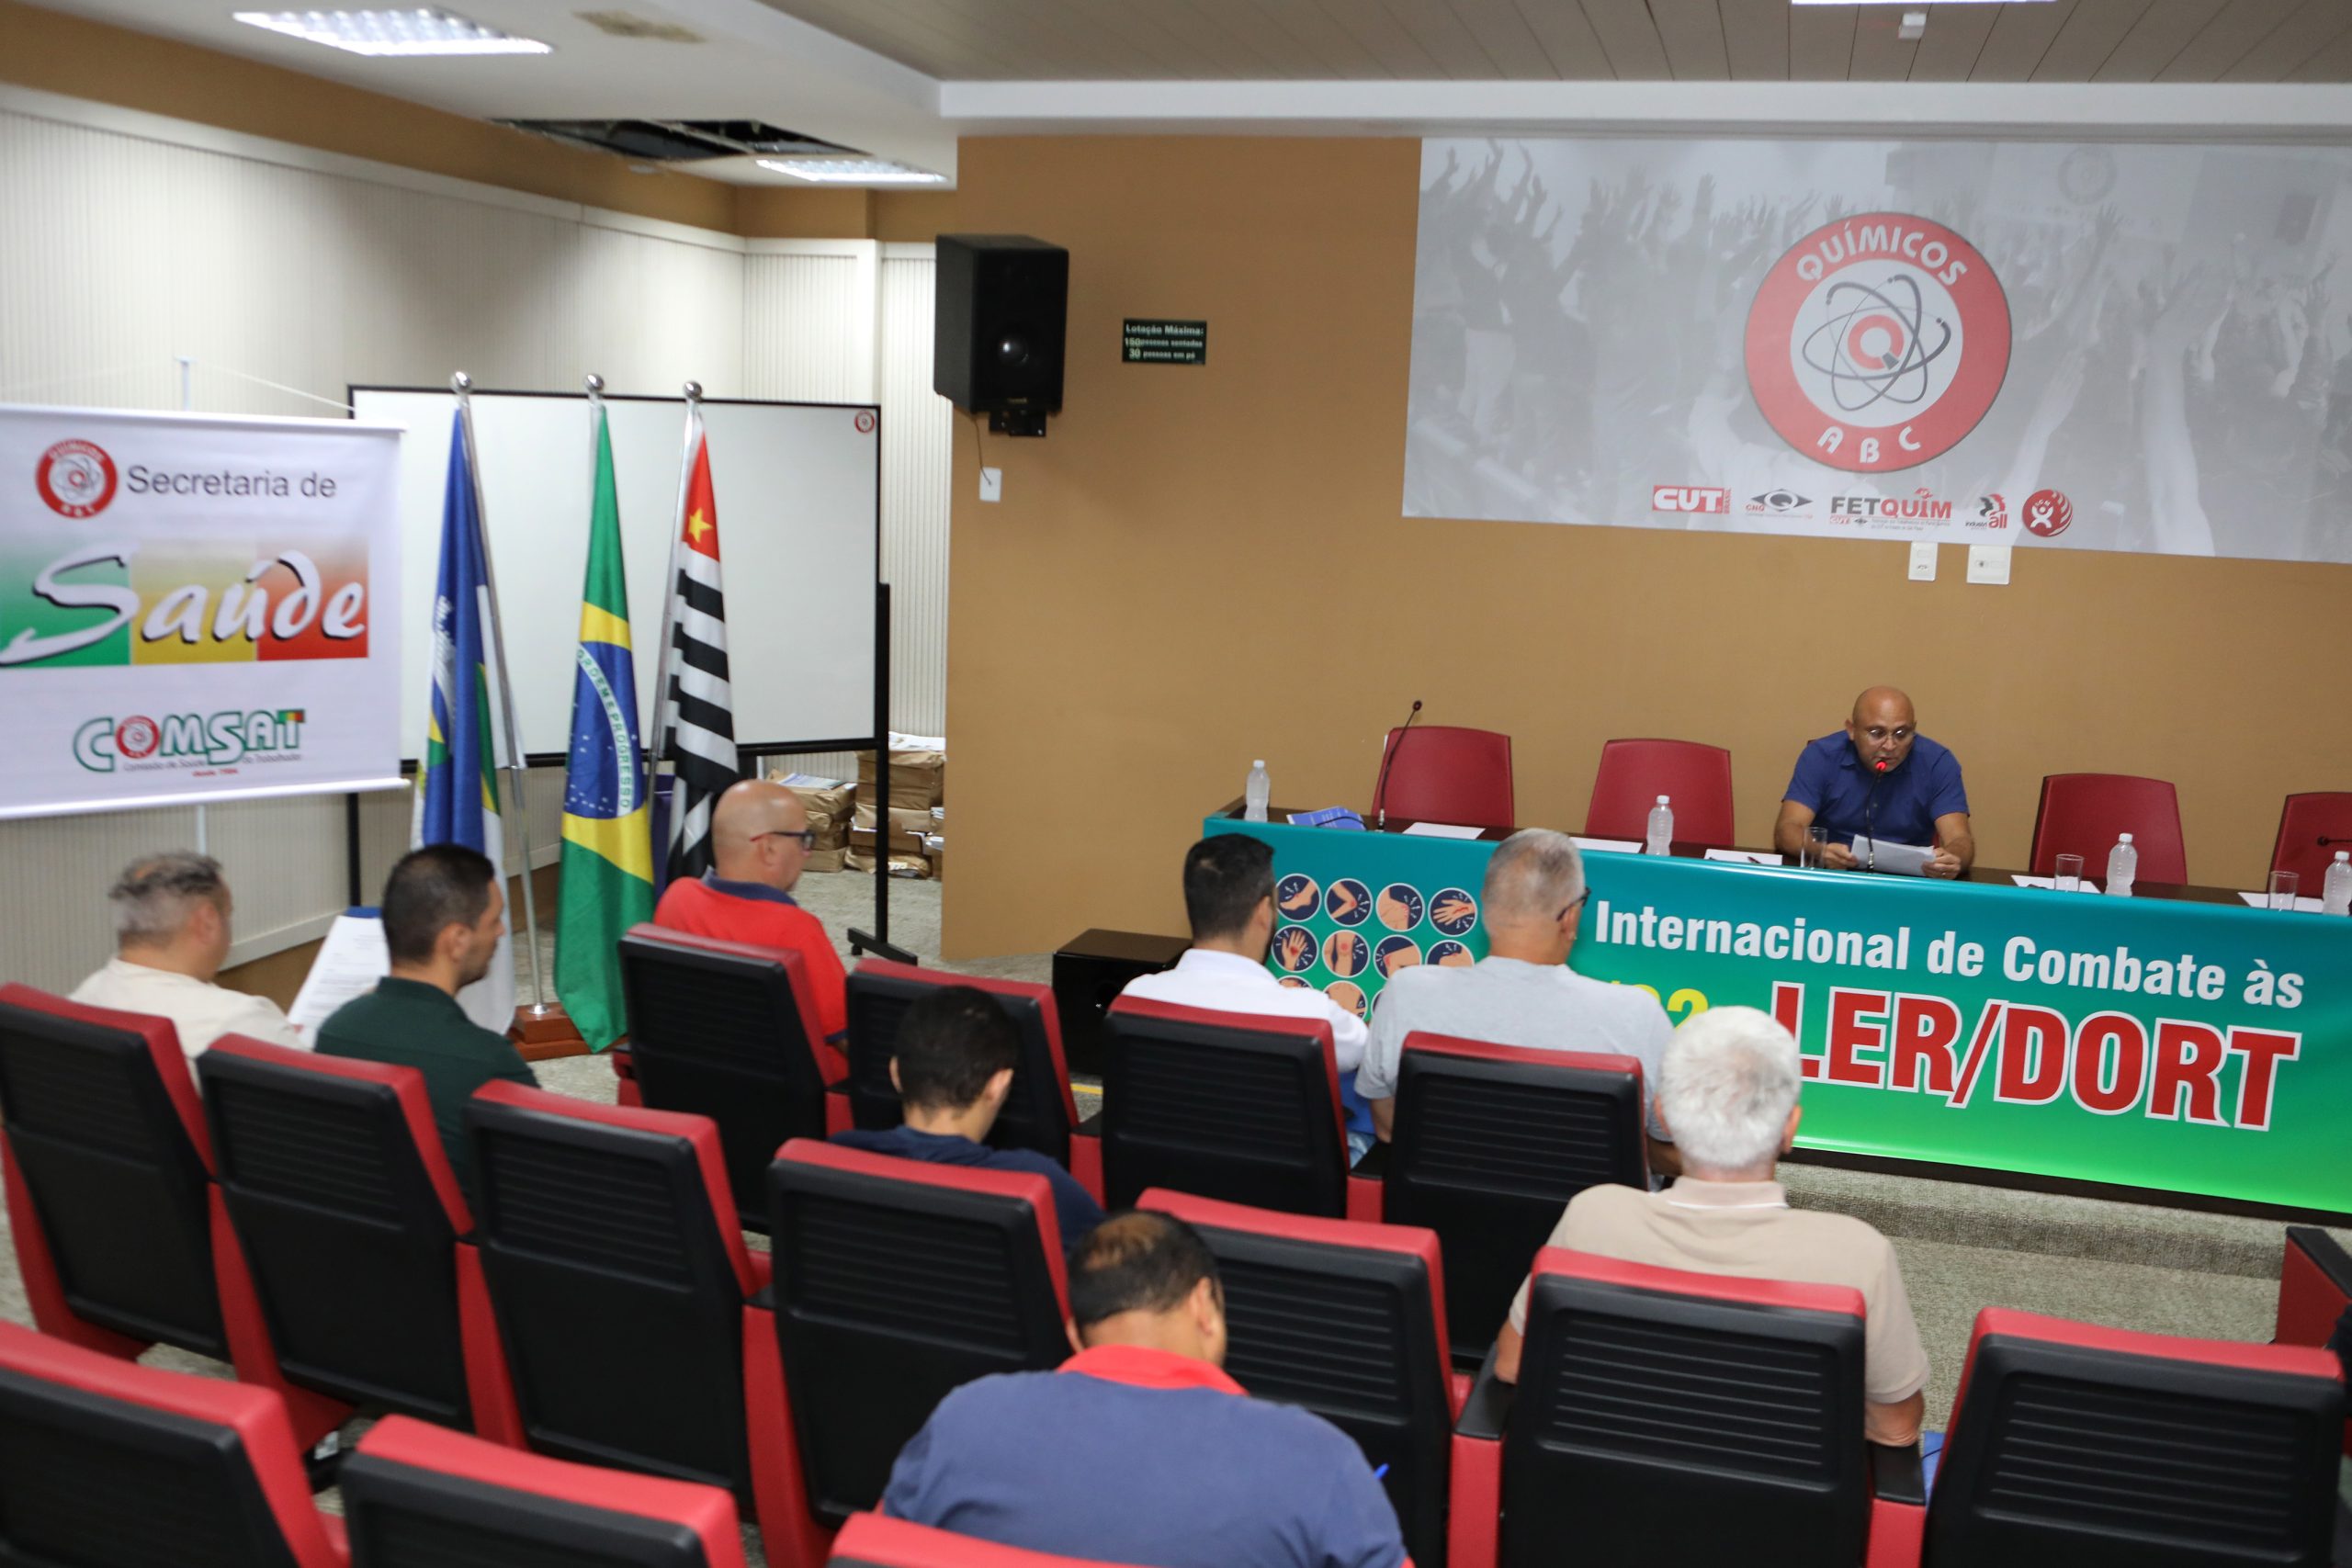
{"x": 1615, "y": 846}
{"x": 2262, "y": 901}
{"x": 1909, "y": 859}
{"x": 1441, "y": 830}
{"x": 1747, "y": 857}
{"x": 350, "y": 961}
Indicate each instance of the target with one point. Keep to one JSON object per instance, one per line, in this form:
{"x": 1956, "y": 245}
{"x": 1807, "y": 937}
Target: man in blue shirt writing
{"x": 1879, "y": 778}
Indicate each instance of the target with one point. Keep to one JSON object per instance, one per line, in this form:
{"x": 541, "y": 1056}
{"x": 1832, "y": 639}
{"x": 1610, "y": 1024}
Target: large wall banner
{"x": 2097, "y": 347}
{"x": 195, "y": 608}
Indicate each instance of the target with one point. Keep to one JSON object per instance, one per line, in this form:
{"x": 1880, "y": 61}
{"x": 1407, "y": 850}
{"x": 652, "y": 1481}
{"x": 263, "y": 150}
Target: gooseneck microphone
{"x": 1380, "y": 791}
{"x": 1870, "y": 811}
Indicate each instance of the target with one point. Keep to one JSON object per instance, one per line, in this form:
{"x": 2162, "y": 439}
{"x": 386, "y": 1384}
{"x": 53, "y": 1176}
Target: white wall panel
{"x": 917, "y": 426}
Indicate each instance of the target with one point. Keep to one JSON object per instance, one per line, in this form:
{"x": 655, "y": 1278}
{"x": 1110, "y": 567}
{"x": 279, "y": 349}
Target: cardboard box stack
{"x": 828, "y": 802}
{"x": 918, "y": 787}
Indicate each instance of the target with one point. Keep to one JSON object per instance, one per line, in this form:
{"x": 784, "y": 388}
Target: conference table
{"x": 2176, "y": 1045}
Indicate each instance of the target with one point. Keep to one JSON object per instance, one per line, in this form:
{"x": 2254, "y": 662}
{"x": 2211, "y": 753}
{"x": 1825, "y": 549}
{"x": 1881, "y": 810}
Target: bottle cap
{"x": 2124, "y": 838}
{"x": 1258, "y": 763}
{"x": 2344, "y": 854}
{"x": 1661, "y": 800}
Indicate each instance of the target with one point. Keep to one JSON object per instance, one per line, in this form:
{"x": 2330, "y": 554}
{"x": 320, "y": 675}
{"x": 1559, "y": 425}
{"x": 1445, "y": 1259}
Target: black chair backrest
{"x": 1683, "y": 1417}
{"x": 2095, "y": 1448}
{"x": 605, "y": 1238}
{"x": 1038, "y": 1114}
{"x": 111, "y": 1165}
{"x": 1490, "y": 1143}
{"x": 348, "y": 1239}
{"x": 1221, "y": 1105}
{"x": 897, "y": 1282}
{"x": 718, "y": 1029}
{"x": 1346, "y": 1319}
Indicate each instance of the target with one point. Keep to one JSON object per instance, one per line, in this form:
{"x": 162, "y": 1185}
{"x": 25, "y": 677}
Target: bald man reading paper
{"x": 1878, "y": 777}
{"x": 760, "y": 842}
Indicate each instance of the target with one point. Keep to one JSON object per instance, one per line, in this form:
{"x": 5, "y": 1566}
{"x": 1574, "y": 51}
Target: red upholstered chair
{"x": 1611, "y": 1450}
{"x": 338, "y": 1230}
{"x": 876, "y": 1541}
{"x": 1041, "y": 1114}
{"x": 896, "y": 1282}
{"x": 2314, "y": 1285}
{"x": 2087, "y": 1446}
{"x": 417, "y": 1496}
{"x": 1634, "y": 773}
{"x": 2081, "y": 814}
{"x": 1386, "y": 1380}
{"x": 1440, "y": 773}
{"x": 728, "y": 1031}
{"x": 109, "y": 1172}
{"x": 1239, "y": 1106}
{"x": 105, "y": 1463}
{"x": 1490, "y": 1143}
{"x": 603, "y": 1220}
{"x": 2312, "y": 829}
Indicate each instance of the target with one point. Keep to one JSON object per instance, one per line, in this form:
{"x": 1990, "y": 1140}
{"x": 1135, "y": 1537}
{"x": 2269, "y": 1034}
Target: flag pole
{"x": 462, "y": 384}
{"x": 665, "y": 712}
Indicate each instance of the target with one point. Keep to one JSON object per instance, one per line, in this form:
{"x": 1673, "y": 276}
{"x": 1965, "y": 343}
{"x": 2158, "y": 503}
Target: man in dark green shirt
{"x": 444, "y": 912}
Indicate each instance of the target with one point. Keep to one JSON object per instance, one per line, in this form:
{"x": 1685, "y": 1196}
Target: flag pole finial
{"x": 595, "y": 385}
{"x": 462, "y": 383}
{"x": 694, "y": 391}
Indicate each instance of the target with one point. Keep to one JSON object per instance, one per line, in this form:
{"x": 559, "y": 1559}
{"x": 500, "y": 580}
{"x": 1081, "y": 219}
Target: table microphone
{"x": 1380, "y": 791}
{"x": 1870, "y": 808}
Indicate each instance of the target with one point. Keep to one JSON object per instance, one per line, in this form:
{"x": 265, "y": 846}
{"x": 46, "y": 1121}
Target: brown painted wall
{"x": 1202, "y": 566}
{"x": 83, "y": 59}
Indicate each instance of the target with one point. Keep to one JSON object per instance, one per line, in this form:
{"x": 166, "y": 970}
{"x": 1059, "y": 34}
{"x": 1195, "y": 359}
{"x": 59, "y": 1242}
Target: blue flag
{"x": 456, "y": 789}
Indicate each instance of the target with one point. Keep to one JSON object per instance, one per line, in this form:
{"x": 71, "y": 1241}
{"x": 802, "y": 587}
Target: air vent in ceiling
{"x": 679, "y": 141}
{"x": 620, "y": 23}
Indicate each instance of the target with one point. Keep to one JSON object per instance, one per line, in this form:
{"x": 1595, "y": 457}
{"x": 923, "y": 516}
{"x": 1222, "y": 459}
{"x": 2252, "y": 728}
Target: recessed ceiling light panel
{"x": 853, "y": 171}
{"x": 1916, "y": 3}
{"x": 422, "y": 29}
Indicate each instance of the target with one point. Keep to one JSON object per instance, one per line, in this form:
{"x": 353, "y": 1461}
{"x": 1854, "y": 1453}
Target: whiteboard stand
{"x": 878, "y": 943}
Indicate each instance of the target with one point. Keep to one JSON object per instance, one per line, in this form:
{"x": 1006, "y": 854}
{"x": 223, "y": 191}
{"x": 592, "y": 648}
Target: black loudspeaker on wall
{"x": 998, "y": 328}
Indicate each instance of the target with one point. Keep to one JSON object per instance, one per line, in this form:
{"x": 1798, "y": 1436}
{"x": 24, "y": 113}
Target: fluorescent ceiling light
{"x": 853, "y": 171}
{"x": 422, "y": 29}
{"x": 1914, "y": 3}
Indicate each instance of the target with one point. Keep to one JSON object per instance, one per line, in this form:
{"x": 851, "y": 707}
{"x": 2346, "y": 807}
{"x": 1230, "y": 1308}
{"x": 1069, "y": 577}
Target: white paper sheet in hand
{"x": 2262, "y": 901}
{"x": 1441, "y": 830}
{"x": 1613, "y": 846}
{"x": 350, "y": 961}
{"x": 1907, "y": 860}
{"x": 1747, "y": 857}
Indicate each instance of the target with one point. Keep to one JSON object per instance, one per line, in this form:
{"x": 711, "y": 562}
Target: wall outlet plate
{"x": 1988, "y": 563}
{"x": 1923, "y": 561}
{"x": 991, "y": 484}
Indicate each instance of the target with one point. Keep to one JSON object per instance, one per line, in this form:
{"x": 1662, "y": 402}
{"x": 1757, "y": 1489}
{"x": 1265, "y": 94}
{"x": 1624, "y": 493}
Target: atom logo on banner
{"x": 1877, "y": 342}
{"x": 77, "y": 477}
{"x": 2047, "y": 512}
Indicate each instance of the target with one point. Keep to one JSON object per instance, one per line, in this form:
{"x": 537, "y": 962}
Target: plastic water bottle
{"x": 2122, "y": 865}
{"x": 1259, "y": 791}
{"x": 1661, "y": 828}
{"x": 2337, "y": 897}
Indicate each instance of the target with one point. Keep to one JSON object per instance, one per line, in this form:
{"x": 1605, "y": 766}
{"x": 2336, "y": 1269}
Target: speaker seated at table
{"x": 1634, "y": 773}
{"x": 337, "y": 1216}
{"x": 108, "y": 1174}
{"x": 619, "y": 1279}
{"x": 1491, "y": 1142}
{"x": 896, "y": 1281}
{"x": 877, "y": 1541}
{"x": 730, "y": 1032}
{"x": 2084, "y": 814}
{"x": 1239, "y": 1106}
{"x": 1386, "y": 1382}
{"x": 2075, "y": 1445}
{"x": 417, "y": 1496}
{"x": 105, "y": 1463}
{"x": 1613, "y": 1449}
{"x": 1442, "y": 773}
{"x": 1041, "y": 1114}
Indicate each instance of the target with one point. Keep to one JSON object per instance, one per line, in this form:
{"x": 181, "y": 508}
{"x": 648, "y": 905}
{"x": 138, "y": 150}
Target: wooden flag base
{"x": 540, "y": 1032}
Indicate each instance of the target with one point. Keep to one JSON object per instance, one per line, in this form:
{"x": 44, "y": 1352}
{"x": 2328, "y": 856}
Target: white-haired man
{"x": 1729, "y": 1092}
{"x": 171, "y": 929}
{"x": 1522, "y": 993}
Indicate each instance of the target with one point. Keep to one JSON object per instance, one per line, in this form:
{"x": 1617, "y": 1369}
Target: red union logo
{"x": 2047, "y": 513}
{"x": 1878, "y": 342}
{"x": 1688, "y": 498}
{"x": 76, "y": 477}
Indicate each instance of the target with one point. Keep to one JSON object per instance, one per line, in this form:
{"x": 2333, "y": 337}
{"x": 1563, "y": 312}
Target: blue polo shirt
{"x": 1134, "y": 1455}
{"x": 1922, "y": 786}
{"x": 1075, "y": 1210}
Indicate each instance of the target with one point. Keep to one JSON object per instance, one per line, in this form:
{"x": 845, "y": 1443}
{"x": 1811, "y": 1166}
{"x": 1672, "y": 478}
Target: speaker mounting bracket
{"x": 1017, "y": 421}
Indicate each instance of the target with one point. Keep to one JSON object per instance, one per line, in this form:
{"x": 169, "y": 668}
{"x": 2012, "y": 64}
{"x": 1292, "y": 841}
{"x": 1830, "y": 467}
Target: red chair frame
{"x": 1634, "y": 772}
{"x": 2082, "y": 813}
{"x": 1446, "y": 772}
{"x": 877, "y": 1541}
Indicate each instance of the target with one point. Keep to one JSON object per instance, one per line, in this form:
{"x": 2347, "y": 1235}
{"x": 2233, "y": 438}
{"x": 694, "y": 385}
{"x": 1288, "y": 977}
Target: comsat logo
{"x": 188, "y": 740}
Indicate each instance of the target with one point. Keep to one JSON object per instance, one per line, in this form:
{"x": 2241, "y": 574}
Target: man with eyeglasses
{"x": 760, "y": 842}
{"x": 1522, "y": 992}
{"x": 1881, "y": 778}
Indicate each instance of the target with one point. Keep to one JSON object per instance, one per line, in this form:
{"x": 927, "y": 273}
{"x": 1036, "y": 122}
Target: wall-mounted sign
{"x": 1165, "y": 343}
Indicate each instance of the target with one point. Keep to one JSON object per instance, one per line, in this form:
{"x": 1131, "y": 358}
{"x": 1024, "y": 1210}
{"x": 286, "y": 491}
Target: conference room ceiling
{"x": 1234, "y": 40}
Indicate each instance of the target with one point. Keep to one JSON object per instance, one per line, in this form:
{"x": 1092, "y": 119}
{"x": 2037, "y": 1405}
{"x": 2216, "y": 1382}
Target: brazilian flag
{"x": 607, "y": 867}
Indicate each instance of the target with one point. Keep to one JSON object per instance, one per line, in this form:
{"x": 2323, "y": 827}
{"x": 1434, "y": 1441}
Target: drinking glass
{"x": 2283, "y": 885}
{"x": 1809, "y": 853}
{"x": 2070, "y": 873}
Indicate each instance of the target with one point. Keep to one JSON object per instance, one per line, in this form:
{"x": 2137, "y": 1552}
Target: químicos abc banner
{"x": 195, "y": 608}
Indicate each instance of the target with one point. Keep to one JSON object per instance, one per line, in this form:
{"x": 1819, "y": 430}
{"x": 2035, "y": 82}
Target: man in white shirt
{"x": 1229, "y": 900}
{"x": 1522, "y": 993}
{"x": 171, "y": 927}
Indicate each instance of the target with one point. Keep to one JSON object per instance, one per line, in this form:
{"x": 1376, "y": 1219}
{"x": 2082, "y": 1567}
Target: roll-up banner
{"x": 195, "y": 608}
{"x": 2050, "y": 346}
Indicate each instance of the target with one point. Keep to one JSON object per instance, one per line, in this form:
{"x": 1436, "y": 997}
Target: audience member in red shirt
{"x": 760, "y": 840}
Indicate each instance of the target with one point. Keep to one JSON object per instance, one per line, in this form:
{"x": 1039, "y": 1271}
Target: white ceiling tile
{"x": 1629, "y": 37}
{"x": 1955, "y": 37}
{"x": 2162, "y": 32}
{"x": 1756, "y": 38}
{"x": 2021, "y": 35}
{"x": 1821, "y": 43}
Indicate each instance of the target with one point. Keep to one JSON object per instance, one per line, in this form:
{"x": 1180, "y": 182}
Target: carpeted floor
{"x": 1963, "y": 1247}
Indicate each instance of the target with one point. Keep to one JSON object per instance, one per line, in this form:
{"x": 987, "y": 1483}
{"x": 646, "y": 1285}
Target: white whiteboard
{"x": 799, "y": 488}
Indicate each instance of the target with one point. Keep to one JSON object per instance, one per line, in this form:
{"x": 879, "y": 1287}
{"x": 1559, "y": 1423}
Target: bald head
{"x": 1882, "y": 727}
{"x": 755, "y": 834}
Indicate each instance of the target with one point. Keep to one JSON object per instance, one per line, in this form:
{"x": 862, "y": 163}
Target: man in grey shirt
{"x": 1522, "y": 993}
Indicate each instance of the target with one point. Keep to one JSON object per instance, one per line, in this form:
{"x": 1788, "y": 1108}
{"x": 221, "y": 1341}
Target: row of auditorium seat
{"x": 625, "y": 1323}
{"x": 1445, "y": 773}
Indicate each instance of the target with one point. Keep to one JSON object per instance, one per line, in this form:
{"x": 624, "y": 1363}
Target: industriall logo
{"x": 76, "y": 477}
{"x": 1878, "y": 342}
